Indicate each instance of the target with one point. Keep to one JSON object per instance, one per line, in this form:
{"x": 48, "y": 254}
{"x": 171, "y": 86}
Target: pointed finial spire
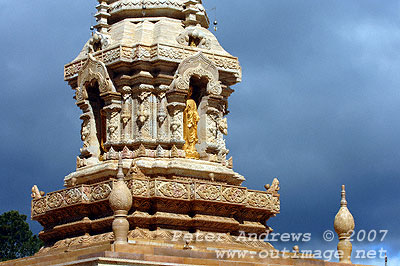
{"x": 343, "y": 202}
{"x": 344, "y": 226}
{"x": 120, "y": 202}
{"x": 120, "y": 174}
{"x": 102, "y": 16}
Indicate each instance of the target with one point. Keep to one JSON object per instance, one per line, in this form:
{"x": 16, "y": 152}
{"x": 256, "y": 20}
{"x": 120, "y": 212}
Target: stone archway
{"x": 94, "y": 88}
{"x": 199, "y": 67}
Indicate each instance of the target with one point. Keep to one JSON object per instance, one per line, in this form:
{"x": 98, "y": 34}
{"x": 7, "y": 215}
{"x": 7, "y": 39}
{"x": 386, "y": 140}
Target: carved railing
{"x": 162, "y": 189}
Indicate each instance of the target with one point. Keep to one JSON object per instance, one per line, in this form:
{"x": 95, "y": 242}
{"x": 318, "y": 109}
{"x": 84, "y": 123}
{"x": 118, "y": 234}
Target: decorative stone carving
{"x": 73, "y": 196}
{"x": 172, "y": 190}
{"x": 39, "y": 207}
{"x": 194, "y": 37}
{"x": 176, "y": 126}
{"x": 230, "y": 163}
{"x": 120, "y": 202}
{"x": 160, "y": 151}
{"x": 36, "y": 194}
{"x": 208, "y": 192}
{"x": 141, "y": 151}
{"x": 93, "y": 70}
{"x": 126, "y": 153}
{"x": 143, "y": 115}
{"x": 174, "y": 152}
{"x": 274, "y": 188}
{"x": 86, "y": 132}
{"x": 258, "y": 199}
{"x": 223, "y": 126}
{"x": 199, "y": 66}
{"x": 101, "y": 192}
{"x": 164, "y": 52}
{"x": 139, "y": 188}
{"x": 55, "y": 200}
{"x": 112, "y": 154}
{"x": 135, "y": 171}
{"x": 113, "y": 127}
{"x": 212, "y": 132}
{"x": 99, "y": 41}
{"x": 125, "y": 113}
{"x": 234, "y": 195}
{"x": 344, "y": 227}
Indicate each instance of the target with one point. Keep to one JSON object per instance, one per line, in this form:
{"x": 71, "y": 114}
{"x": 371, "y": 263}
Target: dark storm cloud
{"x": 318, "y": 105}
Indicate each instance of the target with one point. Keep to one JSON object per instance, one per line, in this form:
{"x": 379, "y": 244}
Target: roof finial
{"x": 120, "y": 174}
{"x": 343, "y": 202}
{"x": 344, "y": 226}
{"x": 121, "y": 202}
{"x": 102, "y": 16}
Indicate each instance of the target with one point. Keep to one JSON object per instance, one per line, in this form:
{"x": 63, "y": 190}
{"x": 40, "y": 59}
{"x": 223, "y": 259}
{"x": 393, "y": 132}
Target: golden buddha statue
{"x": 190, "y": 120}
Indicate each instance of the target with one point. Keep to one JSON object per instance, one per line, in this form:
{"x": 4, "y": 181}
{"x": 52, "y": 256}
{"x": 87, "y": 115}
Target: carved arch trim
{"x": 93, "y": 70}
{"x": 198, "y": 65}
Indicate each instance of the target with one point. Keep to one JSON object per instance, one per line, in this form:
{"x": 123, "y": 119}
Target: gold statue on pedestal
{"x": 190, "y": 120}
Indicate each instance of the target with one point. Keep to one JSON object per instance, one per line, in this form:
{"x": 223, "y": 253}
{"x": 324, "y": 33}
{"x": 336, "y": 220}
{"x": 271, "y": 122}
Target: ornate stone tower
{"x": 132, "y": 81}
{"x": 153, "y": 85}
{"x": 153, "y": 183}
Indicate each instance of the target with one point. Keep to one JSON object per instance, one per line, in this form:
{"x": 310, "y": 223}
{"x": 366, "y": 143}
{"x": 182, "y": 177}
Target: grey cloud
{"x": 318, "y": 105}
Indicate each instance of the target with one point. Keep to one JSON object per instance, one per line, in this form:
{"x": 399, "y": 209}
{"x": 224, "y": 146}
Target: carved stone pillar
{"x": 162, "y": 115}
{"x": 176, "y": 105}
{"x": 112, "y": 113}
{"x": 126, "y": 114}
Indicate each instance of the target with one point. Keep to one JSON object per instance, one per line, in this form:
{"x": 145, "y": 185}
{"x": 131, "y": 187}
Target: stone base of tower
{"x": 160, "y": 253}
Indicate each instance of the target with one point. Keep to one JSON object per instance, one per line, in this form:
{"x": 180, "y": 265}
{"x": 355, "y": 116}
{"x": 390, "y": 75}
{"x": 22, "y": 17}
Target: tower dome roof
{"x": 177, "y": 9}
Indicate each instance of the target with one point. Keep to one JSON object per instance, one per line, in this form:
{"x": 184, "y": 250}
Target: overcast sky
{"x": 319, "y": 106}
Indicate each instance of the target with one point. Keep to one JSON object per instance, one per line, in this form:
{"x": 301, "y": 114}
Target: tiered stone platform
{"x": 156, "y": 253}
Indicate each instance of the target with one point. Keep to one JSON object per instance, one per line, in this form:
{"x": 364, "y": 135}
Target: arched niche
{"x": 197, "y": 78}
{"x": 93, "y": 70}
{"x": 93, "y": 97}
{"x": 199, "y": 66}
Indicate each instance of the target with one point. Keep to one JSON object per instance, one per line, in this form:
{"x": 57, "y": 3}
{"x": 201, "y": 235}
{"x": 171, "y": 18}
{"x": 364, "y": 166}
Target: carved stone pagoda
{"x": 153, "y": 85}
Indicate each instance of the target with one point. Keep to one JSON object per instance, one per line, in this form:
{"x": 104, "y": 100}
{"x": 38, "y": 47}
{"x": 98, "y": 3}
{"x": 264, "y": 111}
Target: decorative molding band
{"x": 189, "y": 191}
{"x": 151, "y": 53}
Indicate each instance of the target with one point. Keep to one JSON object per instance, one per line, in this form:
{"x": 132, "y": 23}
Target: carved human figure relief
{"x": 161, "y": 117}
{"x": 85, "y": 132}
{"x": 143, "y": 114}
{"x": 176, "y": 126}
{"x": 222, "y": 125}
{"x": 90, "y": 150}
{"x": 212, "y": 130}
{"x": 113, "y": 126}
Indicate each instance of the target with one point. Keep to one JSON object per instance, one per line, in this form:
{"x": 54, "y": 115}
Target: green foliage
{"x": 16, "y": 239}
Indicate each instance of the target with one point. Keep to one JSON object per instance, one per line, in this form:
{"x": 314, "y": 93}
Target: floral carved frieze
{"x": 218, "y": 195}
{"x": 139, "y": 188}
{"x": 208, "y": 192}
{"x": 101, "y": 192}
{"x": 173, "y": 190}
{"x": 234, "y": 194}
{"x": 259, "y": 199}
{"x": 152, "y": 53}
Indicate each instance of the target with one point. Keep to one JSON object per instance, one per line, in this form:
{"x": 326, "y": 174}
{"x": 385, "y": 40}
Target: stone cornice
{"x": 158, "y": 52}
{"x": 162, "y": 189}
